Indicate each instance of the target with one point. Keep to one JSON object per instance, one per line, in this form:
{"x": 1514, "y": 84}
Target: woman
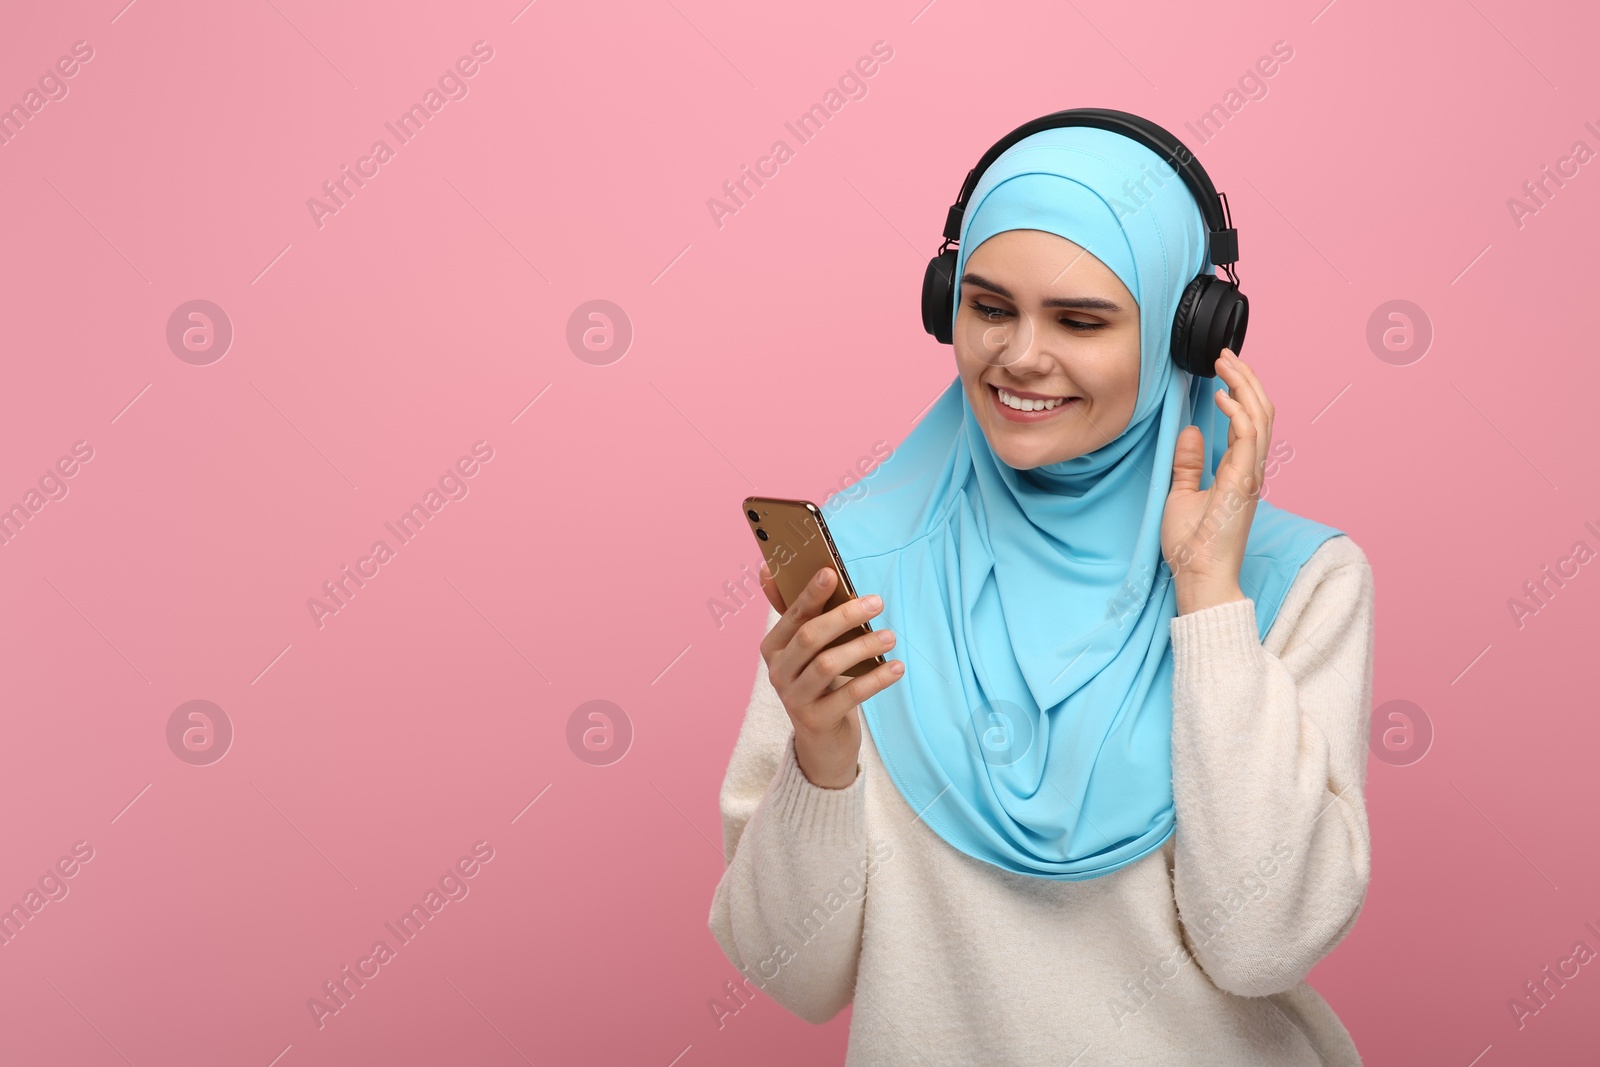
{"x": 1109, "y": 806}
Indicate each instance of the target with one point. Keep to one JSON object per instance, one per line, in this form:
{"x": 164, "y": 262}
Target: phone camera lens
{"x": 753, "y": 516}
{"x": 761, "y": 533}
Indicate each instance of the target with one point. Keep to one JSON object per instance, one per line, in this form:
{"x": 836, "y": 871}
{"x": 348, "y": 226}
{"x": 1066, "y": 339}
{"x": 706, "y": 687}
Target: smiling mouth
{"x": 1028, "y": 403}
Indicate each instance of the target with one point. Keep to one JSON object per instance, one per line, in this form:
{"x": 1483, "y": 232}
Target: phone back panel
{"x": 796, "y": 547}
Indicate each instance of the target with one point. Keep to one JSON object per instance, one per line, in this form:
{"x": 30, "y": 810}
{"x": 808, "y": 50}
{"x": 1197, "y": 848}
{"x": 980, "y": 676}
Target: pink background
{"x": 768, "y": 356}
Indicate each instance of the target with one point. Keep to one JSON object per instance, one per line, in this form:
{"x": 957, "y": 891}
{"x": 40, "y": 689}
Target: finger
{"x": 1240, "y": 453}
{"x": 838, "y": 703}
{"x": 804, "y": 608}
{"x": 1244, "y": 387}
{"x": 1240, "y": 425}
{"x": 1266, "y": 414}
{"x": 814, "y": 636}
{"x": 1239, "y": 462}
{"x": 1188, "y": 459}
{"x": 1250, "y": 374}
{"x": 830, "y": 663}
{"x": 1240, "y": 386}
{"x": 769, "y": 586}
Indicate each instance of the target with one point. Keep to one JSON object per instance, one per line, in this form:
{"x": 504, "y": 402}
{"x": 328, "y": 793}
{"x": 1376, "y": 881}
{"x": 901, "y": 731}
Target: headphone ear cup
{"x": 938, "y": 292}
{"x": 1183, "y": 328}
{"x": 1212, "y": 315}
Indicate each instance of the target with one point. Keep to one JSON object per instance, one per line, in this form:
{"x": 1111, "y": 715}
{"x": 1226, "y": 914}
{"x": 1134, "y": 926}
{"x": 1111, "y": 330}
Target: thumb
{"x": 1188, "y": 459}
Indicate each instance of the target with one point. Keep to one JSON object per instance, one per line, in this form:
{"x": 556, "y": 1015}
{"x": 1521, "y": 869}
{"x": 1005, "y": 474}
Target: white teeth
{"x": 1023, "y": 404}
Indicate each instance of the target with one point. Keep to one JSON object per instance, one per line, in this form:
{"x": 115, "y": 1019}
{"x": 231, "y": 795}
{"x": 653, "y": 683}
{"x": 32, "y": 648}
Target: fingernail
{"x": 886, "y": 637}
{"x": 822, "y": 576}
{"x": 872, "y": 602}
{"x": 896, "y": 667}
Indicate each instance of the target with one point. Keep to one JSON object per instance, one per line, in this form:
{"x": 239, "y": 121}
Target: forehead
{"x": 1045, "y": 264}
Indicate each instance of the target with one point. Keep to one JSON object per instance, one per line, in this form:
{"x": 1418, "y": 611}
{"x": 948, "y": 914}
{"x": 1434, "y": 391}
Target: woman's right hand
{"x": 802, "y": 670}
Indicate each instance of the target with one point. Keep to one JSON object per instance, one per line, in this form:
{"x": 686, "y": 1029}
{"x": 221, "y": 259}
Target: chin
{"x": 1026, "y": 457}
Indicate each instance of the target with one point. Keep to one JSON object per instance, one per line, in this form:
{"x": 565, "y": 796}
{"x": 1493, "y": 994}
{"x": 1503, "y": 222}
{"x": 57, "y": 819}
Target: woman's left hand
{"x": 1203, "y": 531}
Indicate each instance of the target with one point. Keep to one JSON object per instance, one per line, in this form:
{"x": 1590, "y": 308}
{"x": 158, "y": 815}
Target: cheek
{"x": 1128, "y": 389}
{"x": 1112, "y": 381}
{"x": 1119, "y": 378}
{"x": 969, "y": 367}
{"x": 971, "y": 371}
{"x": 972, "y": 360}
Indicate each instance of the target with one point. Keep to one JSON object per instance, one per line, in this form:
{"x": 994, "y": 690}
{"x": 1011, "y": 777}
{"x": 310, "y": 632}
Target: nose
{"x": 1023, "y": 346}
{"x": 1010, "y": 342}
{"x": 1029, "y": 353}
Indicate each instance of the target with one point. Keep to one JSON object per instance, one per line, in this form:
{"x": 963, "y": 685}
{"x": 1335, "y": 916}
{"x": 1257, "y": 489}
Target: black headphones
{"x": 1212, "y": 313}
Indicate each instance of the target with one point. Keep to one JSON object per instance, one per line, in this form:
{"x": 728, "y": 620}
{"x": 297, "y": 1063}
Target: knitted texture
{"x": 1196, "y": 954}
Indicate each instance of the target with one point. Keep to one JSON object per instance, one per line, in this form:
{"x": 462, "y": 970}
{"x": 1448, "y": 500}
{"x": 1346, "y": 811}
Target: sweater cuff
{"x": 1209, "y": 644}
{"x": 818, "y": 815}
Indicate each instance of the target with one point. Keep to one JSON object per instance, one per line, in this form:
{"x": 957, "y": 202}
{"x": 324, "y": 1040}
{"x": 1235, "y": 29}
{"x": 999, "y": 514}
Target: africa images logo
{"x": 338, "y": 992}
{"x": 452, "y": 85}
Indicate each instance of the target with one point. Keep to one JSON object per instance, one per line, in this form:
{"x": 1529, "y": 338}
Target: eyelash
{"x": 1080, "y": 327}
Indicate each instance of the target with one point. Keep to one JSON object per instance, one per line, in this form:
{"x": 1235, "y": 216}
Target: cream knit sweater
{"x": 1195, "y": 954}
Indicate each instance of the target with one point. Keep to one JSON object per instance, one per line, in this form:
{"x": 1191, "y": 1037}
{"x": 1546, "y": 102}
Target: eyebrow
{"x": 1081, "y": 303}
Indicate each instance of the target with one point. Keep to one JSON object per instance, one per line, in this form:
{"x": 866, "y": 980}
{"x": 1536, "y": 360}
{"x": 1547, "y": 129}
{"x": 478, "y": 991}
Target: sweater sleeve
{"x": 788, "y": 909}
{"x": 1272, "y": 854}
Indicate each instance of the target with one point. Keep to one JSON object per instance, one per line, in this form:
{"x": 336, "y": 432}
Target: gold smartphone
{"x": 796, "y": 544}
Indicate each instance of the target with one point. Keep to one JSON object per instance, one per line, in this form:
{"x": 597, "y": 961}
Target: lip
{"x": 1029, "y": 416}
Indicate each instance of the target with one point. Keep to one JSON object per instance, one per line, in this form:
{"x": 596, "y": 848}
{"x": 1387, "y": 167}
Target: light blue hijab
{"x": 1033, "y": 726}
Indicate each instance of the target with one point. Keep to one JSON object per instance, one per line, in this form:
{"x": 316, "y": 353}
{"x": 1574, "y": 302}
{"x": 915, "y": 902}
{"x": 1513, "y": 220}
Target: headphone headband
{"x": 1212, "y": 313}
{"x": 1223, "y": 246}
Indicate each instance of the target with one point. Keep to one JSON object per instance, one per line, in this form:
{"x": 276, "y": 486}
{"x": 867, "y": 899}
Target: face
{"x": 1047, "y": 326}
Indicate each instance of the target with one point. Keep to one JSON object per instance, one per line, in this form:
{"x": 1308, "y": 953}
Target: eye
{"x": 987, "y": 312}
{"x": 994, "y": 314}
